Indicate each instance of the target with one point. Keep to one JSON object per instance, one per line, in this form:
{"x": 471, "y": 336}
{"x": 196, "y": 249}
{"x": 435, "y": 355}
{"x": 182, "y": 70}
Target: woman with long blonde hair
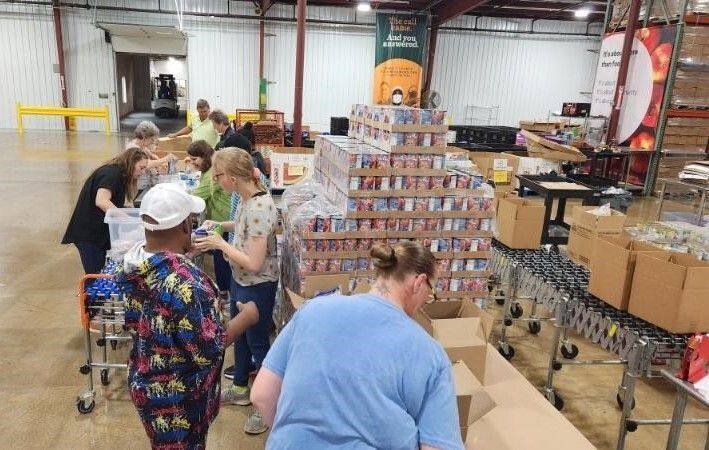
{"x": 113, "y": 185}
{"x": 254, "y": 266}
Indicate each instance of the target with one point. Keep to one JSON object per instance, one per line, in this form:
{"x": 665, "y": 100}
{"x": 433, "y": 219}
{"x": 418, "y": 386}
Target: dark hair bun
{"x": 384, "y": 257}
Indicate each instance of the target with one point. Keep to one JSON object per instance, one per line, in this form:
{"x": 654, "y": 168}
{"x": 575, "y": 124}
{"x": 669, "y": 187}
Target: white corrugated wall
{"x": 27, "y": 75}
{"x": 526, "y": 75}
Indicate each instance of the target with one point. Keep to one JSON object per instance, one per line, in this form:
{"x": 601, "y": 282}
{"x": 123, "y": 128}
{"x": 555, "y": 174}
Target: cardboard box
{"x": 514, "y": 428}
{"x": 461, "y": 328}
{"x": 583, "y": 218}
{"x": 495, "y": 166}
{"x": 671, "y": 290}
{"x": 543, "y": 427}
{"x": 291, "y": 165}
{"x": 316, "y": 284}
{"x": 174, "y": 145}
{"x": 473, "y": 402}
{"x": 519, "y": 222}
{"x": 613, "y": 266}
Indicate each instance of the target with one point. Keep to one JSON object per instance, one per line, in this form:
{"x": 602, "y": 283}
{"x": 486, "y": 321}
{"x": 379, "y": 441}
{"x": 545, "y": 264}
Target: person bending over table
{"x": 357, "y": 372}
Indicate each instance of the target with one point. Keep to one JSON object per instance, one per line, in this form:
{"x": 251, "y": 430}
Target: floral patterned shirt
{"x": 178, "y": 351}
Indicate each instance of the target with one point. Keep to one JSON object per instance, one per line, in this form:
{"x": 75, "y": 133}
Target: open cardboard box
{"x": 671, "y": 290}
{"x": 461, "y": 328}
{"x": 613, "y": 266}
{"x": 315, "y": 284}
{"x": 583, "y": 218}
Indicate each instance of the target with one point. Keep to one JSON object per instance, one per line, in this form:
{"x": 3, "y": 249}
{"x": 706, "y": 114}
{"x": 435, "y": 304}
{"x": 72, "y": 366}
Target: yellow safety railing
{"x": 231, "y": 117}
{"x": 98, "y": 113}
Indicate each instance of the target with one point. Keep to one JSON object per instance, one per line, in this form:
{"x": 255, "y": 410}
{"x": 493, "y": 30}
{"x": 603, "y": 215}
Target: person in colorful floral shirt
{"x": 179, "y": 341}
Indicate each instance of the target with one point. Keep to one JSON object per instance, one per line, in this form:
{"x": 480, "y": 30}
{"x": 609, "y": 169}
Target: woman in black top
{"x": 112, "y": 185}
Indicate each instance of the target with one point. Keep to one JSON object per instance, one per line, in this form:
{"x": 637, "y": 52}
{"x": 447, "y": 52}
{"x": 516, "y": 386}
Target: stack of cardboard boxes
{"x": 665, "y": 288}
{"x": 587, "y": 227}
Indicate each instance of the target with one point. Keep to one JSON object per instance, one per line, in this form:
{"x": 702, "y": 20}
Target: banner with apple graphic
{"x": 649, "y": 66}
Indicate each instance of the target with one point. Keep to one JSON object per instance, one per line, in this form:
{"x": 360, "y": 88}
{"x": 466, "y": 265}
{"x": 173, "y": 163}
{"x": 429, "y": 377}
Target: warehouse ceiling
{"x": 444, "y": 10}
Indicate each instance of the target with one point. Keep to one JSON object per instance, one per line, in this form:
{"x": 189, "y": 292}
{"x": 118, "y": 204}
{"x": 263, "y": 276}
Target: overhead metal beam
{"x": 450, "y": 9}
{"x": 527, "y": 14}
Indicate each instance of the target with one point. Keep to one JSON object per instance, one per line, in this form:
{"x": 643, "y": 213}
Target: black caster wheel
{"x": 509, "y": 354}
{"x": 516, "y": 311}
{"x": 556, "y": 365}
{"x": 558, "y": 401}
{"x": 619, "y": 400}
{"x": 85, "y": 408}
{"x": 104, "y": 377}
{"x": 569, "y": 354}
{"x": 508, "y": 322}
{"x": 631, "y": 426}
{"x": 534, "y": 327}
{"x": 100, "y": 342}
{"x": 85, "y": 369}
{"x": 114, "y": 345}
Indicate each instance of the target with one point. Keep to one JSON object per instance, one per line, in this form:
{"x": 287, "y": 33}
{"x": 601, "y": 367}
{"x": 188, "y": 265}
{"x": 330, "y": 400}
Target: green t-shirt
{"x": 204, "y": 130}
{"x": 218, "y": 202}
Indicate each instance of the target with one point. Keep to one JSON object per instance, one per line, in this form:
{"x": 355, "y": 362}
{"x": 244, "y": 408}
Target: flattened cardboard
{"x": 582, "y": 218}
{"x": 671, "y": 290}
{"x": 173, "y": 145}
{"x": 515, "y": 428}
{"x": 613, "y": 267}
{"x": 519, "y": 222}
{"x": 473, "y": 401}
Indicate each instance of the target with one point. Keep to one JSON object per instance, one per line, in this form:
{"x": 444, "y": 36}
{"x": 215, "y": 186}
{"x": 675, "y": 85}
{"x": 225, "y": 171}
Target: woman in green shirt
{"x": 218, "y": 204}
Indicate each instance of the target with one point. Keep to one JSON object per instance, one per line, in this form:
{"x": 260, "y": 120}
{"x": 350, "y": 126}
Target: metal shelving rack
{"x": 667, "y": 111}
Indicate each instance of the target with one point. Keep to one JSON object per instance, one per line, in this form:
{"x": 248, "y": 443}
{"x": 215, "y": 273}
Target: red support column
{"x": 261, "y": 45}
{"x": 60, "y": 56}
{"x": 433, "y": 39}
{"x": 633, "y": 15}
{"x": 299, "y": 62}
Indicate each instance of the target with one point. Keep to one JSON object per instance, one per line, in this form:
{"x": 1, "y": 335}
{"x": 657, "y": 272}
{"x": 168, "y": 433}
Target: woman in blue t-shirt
{"x": 358, "y": 372}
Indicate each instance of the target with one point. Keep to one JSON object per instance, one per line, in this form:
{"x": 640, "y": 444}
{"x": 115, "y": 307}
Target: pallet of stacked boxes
{"x": 385, "y": 191}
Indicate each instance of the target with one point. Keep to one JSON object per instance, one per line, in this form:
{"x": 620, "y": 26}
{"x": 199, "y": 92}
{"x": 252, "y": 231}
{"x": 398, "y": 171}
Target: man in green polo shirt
{"x": 201, "y": 127}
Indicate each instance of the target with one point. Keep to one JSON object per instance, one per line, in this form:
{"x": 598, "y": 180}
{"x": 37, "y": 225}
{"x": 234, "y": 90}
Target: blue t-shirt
{"x": 358, "y": 373}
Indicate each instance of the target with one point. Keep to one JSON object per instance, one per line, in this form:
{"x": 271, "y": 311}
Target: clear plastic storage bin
{"x": 126, "y": 229}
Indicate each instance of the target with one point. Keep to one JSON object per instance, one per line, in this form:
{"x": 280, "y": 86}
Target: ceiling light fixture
{"x": 582, "y": 13}
{"x": 364, "y": 6}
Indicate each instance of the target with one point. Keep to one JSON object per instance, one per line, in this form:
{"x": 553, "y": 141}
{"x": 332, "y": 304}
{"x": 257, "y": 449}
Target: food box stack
{"x": 691, "y": 86}
{"x": 686, "y": 134}
{"x": 364, "y": 196}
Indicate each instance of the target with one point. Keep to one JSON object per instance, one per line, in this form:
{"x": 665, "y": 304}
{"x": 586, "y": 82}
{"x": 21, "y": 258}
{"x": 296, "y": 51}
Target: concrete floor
{"x": 42, "y": 344}
{"x": 166, "y": 126}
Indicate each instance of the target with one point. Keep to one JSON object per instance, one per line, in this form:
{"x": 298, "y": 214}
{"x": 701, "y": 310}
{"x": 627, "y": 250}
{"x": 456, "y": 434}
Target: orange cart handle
{"x": 84, "y": 297}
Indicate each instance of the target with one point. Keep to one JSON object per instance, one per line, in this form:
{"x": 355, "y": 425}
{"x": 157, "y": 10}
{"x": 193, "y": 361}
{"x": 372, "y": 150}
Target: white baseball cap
{"x": 168, "y": 204}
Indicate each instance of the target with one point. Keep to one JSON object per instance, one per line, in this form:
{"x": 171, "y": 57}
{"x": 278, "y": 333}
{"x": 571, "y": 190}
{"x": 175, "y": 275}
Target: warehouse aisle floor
{"x": 41, "y": 342}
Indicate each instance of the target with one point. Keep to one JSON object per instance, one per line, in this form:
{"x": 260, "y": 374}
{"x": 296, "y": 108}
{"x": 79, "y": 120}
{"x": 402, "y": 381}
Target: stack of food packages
{"x": 362, "y": 196}
{"x": 678, "y": 237}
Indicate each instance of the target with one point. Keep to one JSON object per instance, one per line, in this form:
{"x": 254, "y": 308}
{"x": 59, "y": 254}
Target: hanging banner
{"x": 645, "y": 85}
{"x": 398, "y": 60}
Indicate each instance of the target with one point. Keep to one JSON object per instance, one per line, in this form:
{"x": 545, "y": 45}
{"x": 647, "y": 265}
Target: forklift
{"x": 165, "y": 96}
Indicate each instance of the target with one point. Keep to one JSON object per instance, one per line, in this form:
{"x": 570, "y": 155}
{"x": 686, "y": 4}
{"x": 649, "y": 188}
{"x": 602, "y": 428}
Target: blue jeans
{"x": 222, "y": 270}
{"x": 255, "y": 343}
{"x": 93, "y": 257}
